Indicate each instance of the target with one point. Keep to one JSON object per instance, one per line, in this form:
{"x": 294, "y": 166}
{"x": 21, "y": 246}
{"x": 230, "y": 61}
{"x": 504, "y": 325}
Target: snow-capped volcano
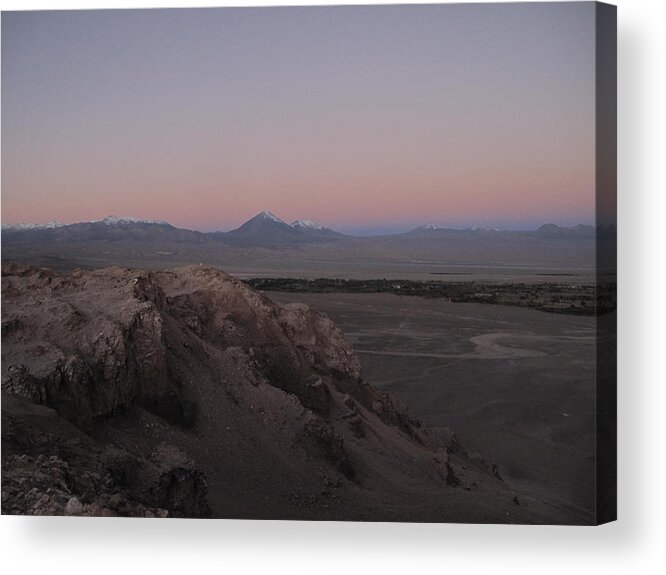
{"x": 306, "y": 225}
{"x": 264, "y": 228}
{"x": 269, "y": 216}
{"x": 267, "y": 229}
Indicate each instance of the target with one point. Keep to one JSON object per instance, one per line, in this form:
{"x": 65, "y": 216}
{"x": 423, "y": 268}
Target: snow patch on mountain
{"x": 25, "y": 226}
{"x": 307, "y": 225}
{"x": 266, "y": 215}
{"x": 114, "y": 220}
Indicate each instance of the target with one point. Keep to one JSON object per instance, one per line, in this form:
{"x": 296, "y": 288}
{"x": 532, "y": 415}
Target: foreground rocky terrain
{"x": 184, "y": 393}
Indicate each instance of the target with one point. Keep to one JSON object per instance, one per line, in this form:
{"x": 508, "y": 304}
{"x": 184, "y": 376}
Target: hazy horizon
{"x": 366, "y": 119}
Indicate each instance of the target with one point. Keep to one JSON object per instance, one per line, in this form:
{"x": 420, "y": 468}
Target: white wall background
{"x": 633, "y": 544}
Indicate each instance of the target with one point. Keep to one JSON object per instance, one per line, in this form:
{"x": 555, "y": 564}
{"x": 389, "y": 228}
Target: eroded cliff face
{"x": 186, "y": 393}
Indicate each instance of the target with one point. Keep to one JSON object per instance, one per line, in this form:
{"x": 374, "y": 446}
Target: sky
{"x": 363, "y": 118}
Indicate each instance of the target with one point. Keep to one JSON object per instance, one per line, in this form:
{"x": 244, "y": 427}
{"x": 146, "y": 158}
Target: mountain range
{"x": 263, "y": 230}
{"x": 268, "y": 245}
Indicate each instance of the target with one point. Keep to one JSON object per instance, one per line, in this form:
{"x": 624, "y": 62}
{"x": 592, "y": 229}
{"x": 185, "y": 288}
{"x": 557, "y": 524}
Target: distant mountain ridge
{"x": 553, "y": 230}
{"x": 110, "y": 228}
{"x": 114, "y": 220}
{"x": 267, "y": 220}
{"x": 21, "y": 226}
{"x": 265, "y": 230}
{"x": 108, "y": 220}
{"x": 267, "y": 242}
{"x": 549, "y": 230}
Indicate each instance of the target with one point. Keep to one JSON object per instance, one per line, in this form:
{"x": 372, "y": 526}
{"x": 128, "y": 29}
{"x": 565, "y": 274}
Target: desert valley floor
{"x": 513, "y": 384}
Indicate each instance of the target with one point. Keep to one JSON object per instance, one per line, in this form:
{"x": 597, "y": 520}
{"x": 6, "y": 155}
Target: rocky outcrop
{"x": 84, "y": 358}
{"x": 184, "y": 393}
{"x": 49, "y": 467}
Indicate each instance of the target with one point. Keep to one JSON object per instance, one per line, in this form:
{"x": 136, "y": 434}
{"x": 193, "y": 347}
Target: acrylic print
{"x": 311, "y": 263}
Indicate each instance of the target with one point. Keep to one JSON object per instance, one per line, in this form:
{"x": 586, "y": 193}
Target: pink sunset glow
{"x": 353, "y": 117}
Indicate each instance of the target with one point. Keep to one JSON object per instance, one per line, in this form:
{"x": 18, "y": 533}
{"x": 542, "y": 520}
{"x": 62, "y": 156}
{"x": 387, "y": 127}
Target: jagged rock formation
{"x": 186, "y": 393}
